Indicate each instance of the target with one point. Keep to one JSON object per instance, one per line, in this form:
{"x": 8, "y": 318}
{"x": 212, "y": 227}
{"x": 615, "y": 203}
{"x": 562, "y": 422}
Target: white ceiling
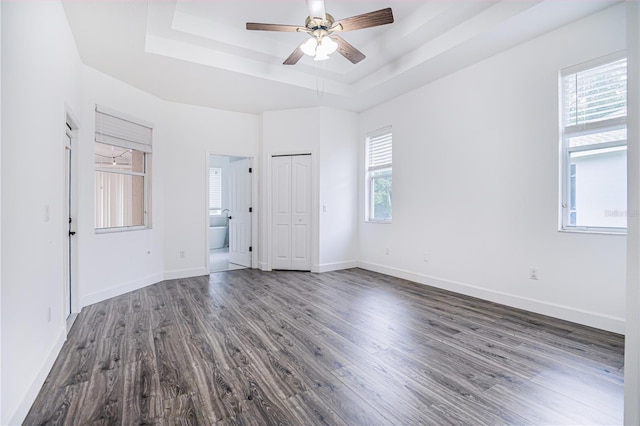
{"x": 198, "y": 52}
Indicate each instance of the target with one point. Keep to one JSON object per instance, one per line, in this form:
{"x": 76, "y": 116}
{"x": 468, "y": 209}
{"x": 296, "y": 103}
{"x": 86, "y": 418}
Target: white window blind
{"x": 114, "y": 128}
{"x": 596, "y": 94}
{"x": 379, "y": 176}
{"x": 379, "y": 152}
{"x": 215, "y": 188}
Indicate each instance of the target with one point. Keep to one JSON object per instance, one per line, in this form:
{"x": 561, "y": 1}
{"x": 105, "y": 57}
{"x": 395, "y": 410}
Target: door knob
{"x": 72, "y": 233}
{"x": 230, "y": 217}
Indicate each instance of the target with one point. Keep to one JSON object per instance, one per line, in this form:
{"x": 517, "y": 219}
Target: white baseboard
{"x": 110, "y": 292}
{"x": 579, "y": 316}
{"x": 337, "y": 266}
{"x": 263, "y": 266}
{"x": 32, "y": 393}
{"x": 185, "y": 273}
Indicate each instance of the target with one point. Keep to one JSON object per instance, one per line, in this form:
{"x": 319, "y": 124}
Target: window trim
{"x": 369, "y": 171}
{"x": 143, "y": 144}
{"x": 145, "y": 199}
{"x": 576, "y": 130}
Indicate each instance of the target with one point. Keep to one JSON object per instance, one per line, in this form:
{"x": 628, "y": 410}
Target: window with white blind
{"x": 215, "y": 191}
{"x": 594, "y": 146}
{"x": 122, "y": 160}
{"x": 379, "y": 176}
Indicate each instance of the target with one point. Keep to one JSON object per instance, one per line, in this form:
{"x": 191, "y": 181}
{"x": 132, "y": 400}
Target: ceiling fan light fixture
{"x": 327, "y": 46}
{"x": 321, "y": 56}
{"x": 309, "y": 47}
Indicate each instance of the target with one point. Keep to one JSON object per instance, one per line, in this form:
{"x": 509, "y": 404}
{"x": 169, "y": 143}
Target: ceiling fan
{"x": 322, "y": 27}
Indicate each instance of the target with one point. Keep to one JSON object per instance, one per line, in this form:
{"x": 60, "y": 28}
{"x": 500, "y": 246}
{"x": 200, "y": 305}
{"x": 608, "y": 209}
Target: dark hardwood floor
{"x": 341, "y": 348}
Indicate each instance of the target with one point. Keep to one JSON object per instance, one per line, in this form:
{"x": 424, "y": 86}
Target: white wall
{"x": 114, "y": 263}
{"x": 338, "y": 190}
{"x": 632, "y": 330}
{"x": 0, "y": 211}
{"x": 330, "y": 136}
{"x": 476, "y": 184}
{"x": 40, "y": 71}
{"x": 183, "y": 136}
{"x": 196, "y": 132}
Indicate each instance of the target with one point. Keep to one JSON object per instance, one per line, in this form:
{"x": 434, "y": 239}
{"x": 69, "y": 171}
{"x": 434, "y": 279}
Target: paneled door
{"x": 240, "y": 213}
{"x": 68, "y": 266}
{"x": 69, "y": 218}
{"x": 291, "y": 212}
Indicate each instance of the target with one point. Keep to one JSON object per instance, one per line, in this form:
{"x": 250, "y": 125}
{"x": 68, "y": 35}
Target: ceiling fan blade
{"x": 316, "y": 9}
{"x": 273, "y": 27}
{"x": 366, "y": 20}
{"x": 347, "y": 50}
{"x": 294, "y": 57}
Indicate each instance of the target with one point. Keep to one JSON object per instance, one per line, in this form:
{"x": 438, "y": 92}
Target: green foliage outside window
{"x": 382, "y": 190}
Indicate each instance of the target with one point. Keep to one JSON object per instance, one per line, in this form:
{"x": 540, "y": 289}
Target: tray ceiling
{"x": 199, "y": 52}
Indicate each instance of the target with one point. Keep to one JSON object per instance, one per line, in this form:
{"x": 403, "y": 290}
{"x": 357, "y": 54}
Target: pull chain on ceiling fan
{"x": 321, "y": 28}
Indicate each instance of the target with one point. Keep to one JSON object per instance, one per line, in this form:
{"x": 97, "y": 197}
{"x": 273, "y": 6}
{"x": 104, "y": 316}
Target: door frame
{"x": 267, "y": 264}
{"x": 254, "y": 205}
{"x": 70, "y": 206}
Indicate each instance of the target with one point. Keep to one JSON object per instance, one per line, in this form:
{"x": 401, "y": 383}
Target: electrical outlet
{"x": 181, "y": 254}
{"x": 386, "y": 251}
{"x": 425, "y": 257}
{"x": 49, "y": 314}
{"x": 533, "y": 274}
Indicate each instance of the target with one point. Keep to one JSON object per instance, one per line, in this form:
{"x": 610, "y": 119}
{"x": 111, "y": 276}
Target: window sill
{"x": 593, "y": 231}
{"x": 388, "y": 222}
{"x": 121, "y": 229}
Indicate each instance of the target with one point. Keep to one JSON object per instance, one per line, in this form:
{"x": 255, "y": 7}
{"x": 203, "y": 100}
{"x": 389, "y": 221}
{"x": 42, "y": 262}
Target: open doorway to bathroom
{"x": 229, "y": 195}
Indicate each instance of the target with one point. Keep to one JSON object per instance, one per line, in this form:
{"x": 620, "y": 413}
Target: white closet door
{"x": 240, "y": 218}
{"x": 281, "y": 209}
{"x": 301, "y": 212}
{"x": 291, "y": 208}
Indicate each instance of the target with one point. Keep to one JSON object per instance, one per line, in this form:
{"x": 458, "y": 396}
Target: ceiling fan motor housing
{"x": 314, "y": 24}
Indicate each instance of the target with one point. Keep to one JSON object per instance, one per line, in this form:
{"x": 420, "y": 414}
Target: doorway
{"x": 69, "y": 226}
{"x": 229, "y": 212}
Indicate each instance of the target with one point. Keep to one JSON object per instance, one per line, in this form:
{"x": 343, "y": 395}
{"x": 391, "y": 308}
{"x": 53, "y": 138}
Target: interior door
{"x": 240, "y": 213}
{"x": 291, "y": 212}
{"x": 68, "y": 228}
{"x": 281, "y": 212}
{"x": 301, "y": 212}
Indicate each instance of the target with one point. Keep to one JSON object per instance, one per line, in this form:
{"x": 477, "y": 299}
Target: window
{"x": 122, "y": 159}
{"x": 594, "y": 146}
{"x": 215, "y": 191}
{"x": 379, "y": 176}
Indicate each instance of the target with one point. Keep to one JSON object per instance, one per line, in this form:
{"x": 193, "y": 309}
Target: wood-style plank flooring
{"x": 340, "y": 348}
